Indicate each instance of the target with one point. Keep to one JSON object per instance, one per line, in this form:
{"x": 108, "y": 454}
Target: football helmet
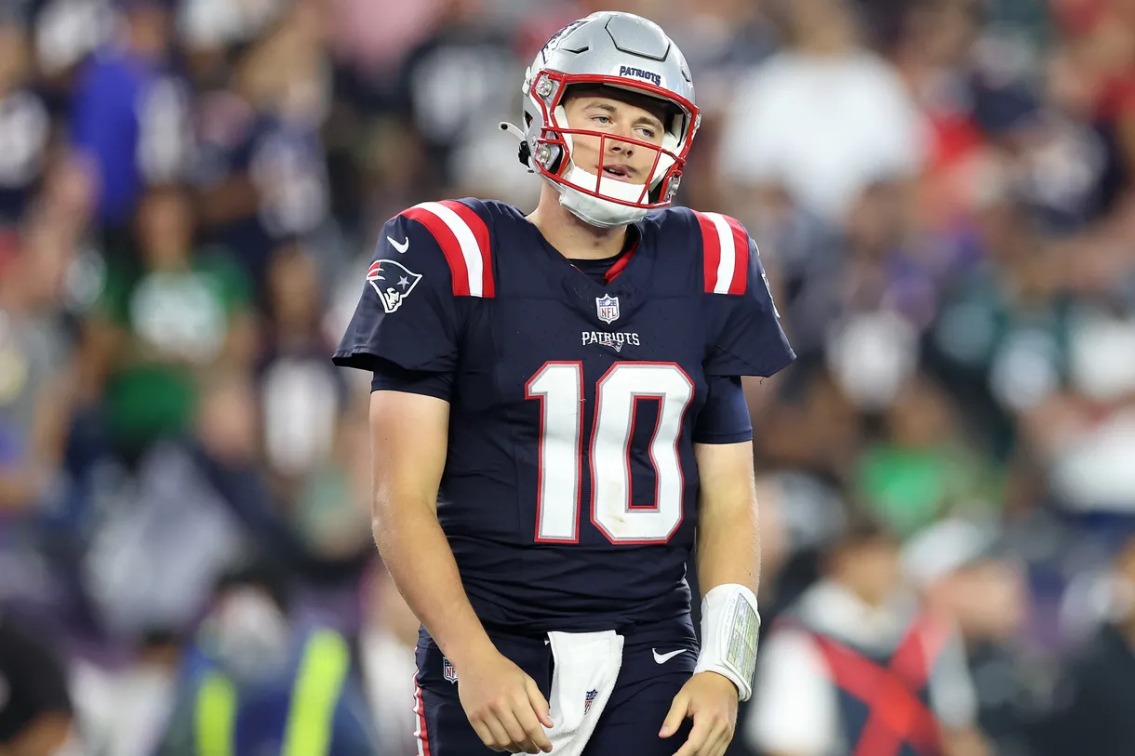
{"x": 607, "y": 49}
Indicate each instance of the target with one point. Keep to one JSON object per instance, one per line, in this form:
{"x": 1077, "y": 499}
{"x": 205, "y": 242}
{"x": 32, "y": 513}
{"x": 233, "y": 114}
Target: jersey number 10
{"x": 559, "y": 387}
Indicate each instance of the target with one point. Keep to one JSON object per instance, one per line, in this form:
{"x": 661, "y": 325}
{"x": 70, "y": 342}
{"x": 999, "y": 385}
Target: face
{"x": 618, "y": 159}
{"x": 872, "y": 570}
{"x": 165, "y": 226}
{"x": 988, "y": 600}
{"x": 13, "y": 55}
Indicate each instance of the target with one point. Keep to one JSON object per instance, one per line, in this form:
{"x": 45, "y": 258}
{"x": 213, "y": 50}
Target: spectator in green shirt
{"x": 164, "y": 318}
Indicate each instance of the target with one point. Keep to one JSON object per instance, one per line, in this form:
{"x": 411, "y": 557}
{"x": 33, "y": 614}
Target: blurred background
{"x": 189, "y": 194}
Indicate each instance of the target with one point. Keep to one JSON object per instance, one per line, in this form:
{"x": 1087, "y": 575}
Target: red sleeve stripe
{"x": 480, "y": 231}
{"x": 725, "y": 245}
{"x": 464, "y": 240}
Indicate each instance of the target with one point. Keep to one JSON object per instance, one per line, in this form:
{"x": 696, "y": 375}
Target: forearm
{"x": 728, "y": 547}
{"x": 728, "y": 563}
{"x": 418, "y": 556}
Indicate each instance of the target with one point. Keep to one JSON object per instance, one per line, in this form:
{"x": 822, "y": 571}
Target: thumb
{"x": 539, "y": 703}
{"x": 675, "y": 716}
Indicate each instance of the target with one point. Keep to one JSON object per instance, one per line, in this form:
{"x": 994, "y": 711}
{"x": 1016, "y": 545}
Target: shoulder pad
{"x": 462, "y": 235}
{"x": 725, "y": 253}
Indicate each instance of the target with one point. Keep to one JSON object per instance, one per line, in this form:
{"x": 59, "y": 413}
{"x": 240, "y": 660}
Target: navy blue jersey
{"x": 569, "y": 493}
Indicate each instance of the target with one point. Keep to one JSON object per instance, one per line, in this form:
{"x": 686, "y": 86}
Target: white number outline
{"x": 673, "y": 408}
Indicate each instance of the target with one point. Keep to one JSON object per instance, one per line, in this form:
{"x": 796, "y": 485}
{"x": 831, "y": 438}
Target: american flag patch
{"x": 588, "y": 699}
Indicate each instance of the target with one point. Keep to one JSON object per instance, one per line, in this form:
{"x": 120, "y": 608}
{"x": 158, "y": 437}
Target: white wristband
{"x": 730, "y": 625}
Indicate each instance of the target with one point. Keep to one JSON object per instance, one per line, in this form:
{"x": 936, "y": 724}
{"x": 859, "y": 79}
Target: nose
{"x": 616, "y": 143}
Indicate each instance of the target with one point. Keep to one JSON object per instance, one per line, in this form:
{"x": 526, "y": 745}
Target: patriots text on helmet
{"x": 641, "y": 74}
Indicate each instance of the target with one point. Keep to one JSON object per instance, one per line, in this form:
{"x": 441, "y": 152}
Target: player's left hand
{"x": 711, "y": 700}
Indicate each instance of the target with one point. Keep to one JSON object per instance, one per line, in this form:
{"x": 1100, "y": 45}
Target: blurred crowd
{"x": 189, "y": 192}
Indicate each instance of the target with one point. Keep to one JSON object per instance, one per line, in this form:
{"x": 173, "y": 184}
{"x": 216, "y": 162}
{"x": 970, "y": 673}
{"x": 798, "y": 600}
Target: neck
{"x": 571, "y": 237}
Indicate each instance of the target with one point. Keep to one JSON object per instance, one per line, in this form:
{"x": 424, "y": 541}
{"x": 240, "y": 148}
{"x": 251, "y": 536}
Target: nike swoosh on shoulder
{"x": 663, "y": 658}
{"x": 401, "y": 246}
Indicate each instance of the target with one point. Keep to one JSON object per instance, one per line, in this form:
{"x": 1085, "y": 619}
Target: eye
{"x": 647, "y": 132}
{"x": 601, "y": 119}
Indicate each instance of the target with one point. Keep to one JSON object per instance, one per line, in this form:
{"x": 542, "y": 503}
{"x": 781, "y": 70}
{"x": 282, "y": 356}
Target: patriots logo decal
{"x": 393, "y": 282}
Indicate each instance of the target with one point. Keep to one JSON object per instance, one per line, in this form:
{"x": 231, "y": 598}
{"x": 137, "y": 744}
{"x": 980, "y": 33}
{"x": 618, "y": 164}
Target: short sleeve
{"x": 724, "y": 418}
{"x": 745, "y": 336}
{"x": 406, "y": 314}
{"x": 393, "y": 378}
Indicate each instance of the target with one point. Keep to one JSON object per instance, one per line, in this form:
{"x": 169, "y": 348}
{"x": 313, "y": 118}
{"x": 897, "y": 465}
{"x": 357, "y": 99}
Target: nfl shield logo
{"x": 607, "y": 308}
{"x": 588, "y": 699}
{"x": 449, "y": 672}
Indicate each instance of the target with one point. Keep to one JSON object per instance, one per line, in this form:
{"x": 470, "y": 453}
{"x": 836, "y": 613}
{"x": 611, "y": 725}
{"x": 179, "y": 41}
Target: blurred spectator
{"x": 966, "y": 579}
{"x": 302, "y": 396}
{"x": 260, "y": 170}
{"x": 386, "y": 649}
{"x": 130, "y": 116}
{"x": 122, "y": 706}
{"x": 314, "y": 431}
{"x": 813, "y": 427}
{"x": 328, "y": 507}
{"x": 35, "y": 707}
{"x": 451, "y": 89}
{"x": 824, "y": 118}
{"x": 194, "y": 506}
{"x": 35, "y": 386}
{"x": 852, "y": 653}
{"x": 25, "y": 130}
{"x": 1098, "y": 684}
{"x": 162, "y": 321}
{"x": 256, "y": 682}
{"x": 921, "y": 468}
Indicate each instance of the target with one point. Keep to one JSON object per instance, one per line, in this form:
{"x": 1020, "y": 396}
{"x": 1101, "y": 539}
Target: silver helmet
{"x": 623, "y": 51}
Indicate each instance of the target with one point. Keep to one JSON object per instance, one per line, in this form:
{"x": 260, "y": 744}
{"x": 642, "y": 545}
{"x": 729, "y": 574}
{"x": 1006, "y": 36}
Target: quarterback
{"x": 558, "y": 425}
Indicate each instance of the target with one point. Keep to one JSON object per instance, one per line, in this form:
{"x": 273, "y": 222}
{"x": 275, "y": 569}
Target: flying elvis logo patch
{"x": 393, "y": 282}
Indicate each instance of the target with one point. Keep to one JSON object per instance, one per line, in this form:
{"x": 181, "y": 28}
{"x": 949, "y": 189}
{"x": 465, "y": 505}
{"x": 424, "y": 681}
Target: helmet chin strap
{"x": 595, "y": 210}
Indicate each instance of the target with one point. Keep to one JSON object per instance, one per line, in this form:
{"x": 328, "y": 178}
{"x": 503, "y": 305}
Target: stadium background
{"x": 941, "y": 190}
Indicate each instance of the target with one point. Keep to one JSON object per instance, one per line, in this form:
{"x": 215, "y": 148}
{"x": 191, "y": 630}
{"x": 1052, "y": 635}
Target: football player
{"x": 557, "y": 410}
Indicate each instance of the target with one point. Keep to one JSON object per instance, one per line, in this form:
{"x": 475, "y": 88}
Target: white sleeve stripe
{"x": 470, "y": 250}
{"x": 727, "y": 260}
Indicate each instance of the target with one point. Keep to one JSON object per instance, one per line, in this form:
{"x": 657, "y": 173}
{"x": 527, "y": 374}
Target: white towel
{"x": 586, "y": 668}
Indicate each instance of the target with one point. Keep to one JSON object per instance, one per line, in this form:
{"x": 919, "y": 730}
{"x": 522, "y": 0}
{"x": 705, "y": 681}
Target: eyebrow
{"x": 608, "y": 108}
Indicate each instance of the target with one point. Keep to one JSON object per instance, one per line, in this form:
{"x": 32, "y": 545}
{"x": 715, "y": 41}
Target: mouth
{"x": 618, "y": 172}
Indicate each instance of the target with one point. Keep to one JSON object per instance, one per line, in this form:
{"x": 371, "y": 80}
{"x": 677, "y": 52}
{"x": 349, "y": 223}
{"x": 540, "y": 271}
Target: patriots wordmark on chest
{"x": 607, "y": 308}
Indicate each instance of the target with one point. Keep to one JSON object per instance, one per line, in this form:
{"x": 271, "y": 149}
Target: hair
{"x": 264, "y": 573}
{"x": 862, "y": 527}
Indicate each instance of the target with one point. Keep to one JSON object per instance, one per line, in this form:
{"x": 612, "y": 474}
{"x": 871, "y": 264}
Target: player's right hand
{"x": 504, "y": 705}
